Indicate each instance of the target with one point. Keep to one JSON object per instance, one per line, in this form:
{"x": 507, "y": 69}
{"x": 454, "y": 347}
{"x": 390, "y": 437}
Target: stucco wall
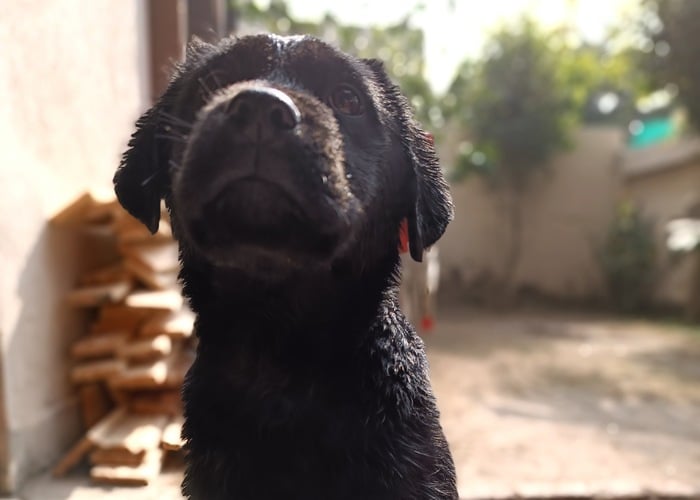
{"x": 662, "y": 196}
{"x": 71, "y": 85}
{"x": 566, "y": 215}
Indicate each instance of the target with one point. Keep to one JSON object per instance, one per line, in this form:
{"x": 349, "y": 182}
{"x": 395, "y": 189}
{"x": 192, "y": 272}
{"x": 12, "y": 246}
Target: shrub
{"x": 628, "y": 259}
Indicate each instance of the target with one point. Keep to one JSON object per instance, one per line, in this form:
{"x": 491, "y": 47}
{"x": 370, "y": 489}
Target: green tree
{"x": 515, "y": 105}
{"x": 670, "y": 48}
{"x": 591, "y": 72}
{"x": 669, "y": 53}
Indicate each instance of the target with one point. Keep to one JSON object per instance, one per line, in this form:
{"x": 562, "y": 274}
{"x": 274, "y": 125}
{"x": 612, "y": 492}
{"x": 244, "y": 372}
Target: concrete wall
{"x": 566, "y": 215}
{"x": 71, "y": 86}
{"x": 663, "y": 195}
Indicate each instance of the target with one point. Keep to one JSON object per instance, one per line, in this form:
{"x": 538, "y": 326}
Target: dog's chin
{"x": 262, "y": 231}
{"x": 263, "y": 263}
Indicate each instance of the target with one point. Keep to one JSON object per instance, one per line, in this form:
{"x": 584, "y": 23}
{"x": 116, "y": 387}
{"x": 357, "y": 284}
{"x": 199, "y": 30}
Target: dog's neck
{"x": 235, "y": 308}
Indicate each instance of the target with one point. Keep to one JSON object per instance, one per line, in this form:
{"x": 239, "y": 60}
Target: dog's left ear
{"x": 432, "y": 207}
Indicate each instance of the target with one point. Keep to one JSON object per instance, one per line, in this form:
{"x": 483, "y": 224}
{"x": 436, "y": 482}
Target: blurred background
{"x": 563, "y": 334}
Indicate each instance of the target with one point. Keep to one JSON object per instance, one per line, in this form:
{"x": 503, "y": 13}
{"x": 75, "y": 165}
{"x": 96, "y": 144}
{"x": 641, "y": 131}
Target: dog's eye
{"x": 344, "y": 99}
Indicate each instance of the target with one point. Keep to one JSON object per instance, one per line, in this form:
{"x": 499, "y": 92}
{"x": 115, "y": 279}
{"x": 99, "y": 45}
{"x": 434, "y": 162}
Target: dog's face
{"x": 277, "y": 155}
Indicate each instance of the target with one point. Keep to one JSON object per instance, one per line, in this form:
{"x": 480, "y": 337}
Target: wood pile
{"x": 129, "y": 366}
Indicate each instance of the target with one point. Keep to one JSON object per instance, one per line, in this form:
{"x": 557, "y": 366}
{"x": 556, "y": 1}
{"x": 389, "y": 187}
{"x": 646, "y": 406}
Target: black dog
{"x": 288, "y": 168}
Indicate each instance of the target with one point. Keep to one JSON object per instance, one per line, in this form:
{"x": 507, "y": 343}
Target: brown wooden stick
{"x": 72, "y": 457}
{"x": 172, "y": 435}
{"x": 122, "y": 475}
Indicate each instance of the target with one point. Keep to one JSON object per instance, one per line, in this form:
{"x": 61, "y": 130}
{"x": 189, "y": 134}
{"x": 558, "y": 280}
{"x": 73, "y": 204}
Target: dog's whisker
{"x": 216, "y": 79}
{"x": 205, "y": 87}
{"x": 171, "y": 132}
{"x": 149, "y": 179}
{"x": 172, "y": 137}
{"x": 177, "y": 128}
{"x": 174, "y": 120}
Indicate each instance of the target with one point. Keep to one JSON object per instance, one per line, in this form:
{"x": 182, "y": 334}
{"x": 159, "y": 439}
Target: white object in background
{"x": 683, "y": 235}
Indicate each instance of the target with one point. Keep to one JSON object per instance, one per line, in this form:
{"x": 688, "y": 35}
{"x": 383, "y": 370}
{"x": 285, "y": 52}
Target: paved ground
{"x": 541, "y": 404}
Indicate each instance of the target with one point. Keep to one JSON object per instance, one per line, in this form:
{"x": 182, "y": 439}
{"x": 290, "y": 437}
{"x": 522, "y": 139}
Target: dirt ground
{"x": 550, "y": 404}
{"x": 541, "y": 404}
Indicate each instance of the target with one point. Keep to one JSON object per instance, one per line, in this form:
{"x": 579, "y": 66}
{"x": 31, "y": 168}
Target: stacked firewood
{"x": 129, "y": 366}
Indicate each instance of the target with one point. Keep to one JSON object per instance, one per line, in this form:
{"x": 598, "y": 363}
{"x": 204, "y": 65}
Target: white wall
{"x": 662, "y": 196}
{"x": 566, "y": 214}
{"x": 72, "y": 82}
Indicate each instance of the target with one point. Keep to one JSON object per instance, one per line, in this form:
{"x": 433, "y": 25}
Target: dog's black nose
{"x": 260, "y": 113}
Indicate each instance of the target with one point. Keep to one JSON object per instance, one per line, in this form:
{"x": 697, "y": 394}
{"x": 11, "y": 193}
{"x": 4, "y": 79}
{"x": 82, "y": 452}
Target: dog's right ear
{"x": 142, "y": 180}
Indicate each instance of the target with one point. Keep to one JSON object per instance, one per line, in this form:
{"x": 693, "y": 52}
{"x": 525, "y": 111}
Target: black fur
{"x": 309, "y": 383}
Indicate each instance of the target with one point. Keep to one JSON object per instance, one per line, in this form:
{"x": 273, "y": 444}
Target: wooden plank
{"x": 98, "y": 230}
{"x": 177, "y": 370}
{"x": 74, "y": 214}
{"x": 163, "y": 402}
{"x": 179, "y": 324}
{"x": 124, "y": 475}
{"x": 96, "y": 434}
{"x": 125, "y": 221}
{"x": 159, "y": 258}
{"x": 113, "y": 317}
{"x": 92, "y": 296}
{"x": 152, "y": 375}
{"x": 121, "y": 397}
{"x": 104, "y": 275}
{"x": 94, "y": 403}
{"x": 132, "y": 433}
{"x": 95, "y": 371}
{"x": 116, "y": 457}
{"x": 146, "y": 349}
{"x": 98, "y": 346}
{"x": 166, "y": 300}
{"x": 172, "y": 435}
{"x": 103, "y": 212}
{"x": 137, "y": 234}
{"x": 150, "y": 278}
{"x": 77, "y": 213}
{"x": 161, "y": 374}
{"x": 74, "y": 455}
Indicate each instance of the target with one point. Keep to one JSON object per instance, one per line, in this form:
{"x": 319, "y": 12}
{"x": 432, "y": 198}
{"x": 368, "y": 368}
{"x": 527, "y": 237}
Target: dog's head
{"x": 282, "y": 153}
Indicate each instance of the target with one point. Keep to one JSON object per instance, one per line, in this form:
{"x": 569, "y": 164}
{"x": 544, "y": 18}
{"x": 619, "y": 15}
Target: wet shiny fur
{"x": 287, "y": 167}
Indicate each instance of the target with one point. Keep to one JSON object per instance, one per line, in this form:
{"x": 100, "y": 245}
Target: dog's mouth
{"x": 254, "y": 215}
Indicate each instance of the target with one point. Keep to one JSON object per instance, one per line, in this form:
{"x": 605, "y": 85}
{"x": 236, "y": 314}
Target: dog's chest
{"x": 311, "y": 438}
{"x": 343, "y": 426}
{"x": 300, "y": 444}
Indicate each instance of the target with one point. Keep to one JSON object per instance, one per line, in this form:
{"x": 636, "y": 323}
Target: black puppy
{"x": 288, "y": 168}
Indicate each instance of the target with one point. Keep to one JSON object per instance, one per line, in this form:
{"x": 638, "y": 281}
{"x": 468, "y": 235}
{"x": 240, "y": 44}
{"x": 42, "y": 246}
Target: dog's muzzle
{"x": 258, "y": 177}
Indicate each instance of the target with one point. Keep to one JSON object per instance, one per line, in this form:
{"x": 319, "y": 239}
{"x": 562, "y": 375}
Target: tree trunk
{"x": 515, "y": 230}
